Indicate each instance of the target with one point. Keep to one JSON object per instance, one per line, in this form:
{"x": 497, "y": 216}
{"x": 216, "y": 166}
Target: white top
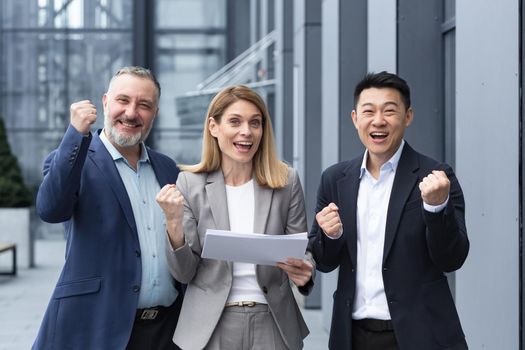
{"x": 241, "y": 212}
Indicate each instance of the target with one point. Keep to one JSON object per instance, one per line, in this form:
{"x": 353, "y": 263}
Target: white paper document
{"x": 253, "y": 248}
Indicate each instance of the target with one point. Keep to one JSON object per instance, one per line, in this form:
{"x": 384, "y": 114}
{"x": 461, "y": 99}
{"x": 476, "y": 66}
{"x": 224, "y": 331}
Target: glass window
{"x": 190, "y": 46}
{"x": 191, "y": 13}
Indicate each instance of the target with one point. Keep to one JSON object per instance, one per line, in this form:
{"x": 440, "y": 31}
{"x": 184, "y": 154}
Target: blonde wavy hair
{"x": 268, "y": 169}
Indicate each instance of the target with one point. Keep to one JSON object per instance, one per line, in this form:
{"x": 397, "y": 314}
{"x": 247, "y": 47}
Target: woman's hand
{"x": 171, "y": 202}
{"x": 298, "y": 270}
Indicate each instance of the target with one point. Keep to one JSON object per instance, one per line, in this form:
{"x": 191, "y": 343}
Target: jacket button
{"x": 136, "y": 288}
{"x": 385, "y": 269}
{"x": 137, "y": 253}
{"x": 265, "y": 290}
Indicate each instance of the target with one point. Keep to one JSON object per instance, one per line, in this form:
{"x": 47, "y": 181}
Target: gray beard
{"x": 124, "y": 140}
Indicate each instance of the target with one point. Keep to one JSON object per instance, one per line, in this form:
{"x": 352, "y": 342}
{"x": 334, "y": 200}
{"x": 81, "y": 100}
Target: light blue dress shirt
{"x": 157, "y": 285}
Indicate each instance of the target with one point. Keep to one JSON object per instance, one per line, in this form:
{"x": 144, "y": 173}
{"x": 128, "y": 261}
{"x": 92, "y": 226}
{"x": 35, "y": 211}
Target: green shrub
{"x": 13, "y": 192}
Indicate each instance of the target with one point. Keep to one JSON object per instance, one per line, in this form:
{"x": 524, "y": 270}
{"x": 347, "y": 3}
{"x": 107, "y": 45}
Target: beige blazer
{"x": 209, "y": 281}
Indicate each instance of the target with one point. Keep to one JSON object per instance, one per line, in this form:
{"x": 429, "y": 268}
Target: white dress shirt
{"x": 372, "y": 207}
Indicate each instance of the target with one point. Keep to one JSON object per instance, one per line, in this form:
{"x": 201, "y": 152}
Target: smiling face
{"x": 238, "y": 133}
{"x": 130, "y": 106}
{"x": 380, "y": 118}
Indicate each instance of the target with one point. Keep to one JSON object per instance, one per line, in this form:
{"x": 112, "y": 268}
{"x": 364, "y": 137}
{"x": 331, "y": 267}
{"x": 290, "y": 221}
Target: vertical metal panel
{"x": 144, "y": 43}
{"x": 143, "y": 29}
{"x": 284, "y": 79}
{"x": 353, "y": 67}
{"x": 420, "y": 64}
{"x": 331, "y": 113}
{"x": 487, "y": 158}
{"x": 238, "y": 28}
{"x": 382, "y": 35}
{"x": 522, "y": 173}
{"x": 307, "y": 99}
{"x": 344, "y": 63}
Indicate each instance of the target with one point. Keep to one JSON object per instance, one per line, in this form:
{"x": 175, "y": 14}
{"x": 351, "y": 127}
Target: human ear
{"x": 354, "y": 118}
{"x": 212, "y": 127}
{"x": 409, "y": 116}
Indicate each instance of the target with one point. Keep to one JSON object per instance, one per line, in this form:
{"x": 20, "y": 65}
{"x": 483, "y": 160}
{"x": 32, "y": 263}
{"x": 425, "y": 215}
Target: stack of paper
{"x": 253, "y": 248}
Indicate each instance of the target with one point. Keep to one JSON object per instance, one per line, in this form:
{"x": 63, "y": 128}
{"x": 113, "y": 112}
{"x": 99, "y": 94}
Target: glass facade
{"x": 190, "y": 46}
{"x": 55, "y": 52}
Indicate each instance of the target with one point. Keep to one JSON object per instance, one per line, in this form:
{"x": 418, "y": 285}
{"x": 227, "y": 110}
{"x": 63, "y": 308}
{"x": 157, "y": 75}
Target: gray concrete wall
{"x": 487, "y": 164}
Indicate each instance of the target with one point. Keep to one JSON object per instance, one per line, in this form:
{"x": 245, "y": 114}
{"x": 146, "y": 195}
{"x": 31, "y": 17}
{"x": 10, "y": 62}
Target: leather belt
{"x": 241, "y": 303}
{"x": 151, "y": 313}
{"x": 373, "y": 325}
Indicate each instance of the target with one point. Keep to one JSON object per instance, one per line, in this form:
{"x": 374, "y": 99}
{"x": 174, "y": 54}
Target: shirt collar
{"x": 115, "y": 154}
{"x": 390, "y": 164}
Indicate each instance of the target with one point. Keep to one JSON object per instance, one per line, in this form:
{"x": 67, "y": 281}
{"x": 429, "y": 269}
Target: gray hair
{"x": 140, "y": 72}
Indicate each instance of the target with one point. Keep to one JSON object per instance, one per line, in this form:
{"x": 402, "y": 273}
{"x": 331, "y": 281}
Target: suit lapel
{"x": 102, "y": 159}
{"x": 216, "y": 192}
{"x": 161, "y": 173}
{"x": 263, "y": 200}
{"x": 347, "y": 190}
{"x": 405, "y": 179}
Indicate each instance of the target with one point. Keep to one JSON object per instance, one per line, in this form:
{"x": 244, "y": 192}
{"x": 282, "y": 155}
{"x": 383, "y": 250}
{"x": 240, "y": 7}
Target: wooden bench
{"x": 4, "y": 247}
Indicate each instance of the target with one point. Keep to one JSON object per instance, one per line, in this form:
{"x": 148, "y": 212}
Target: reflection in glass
{"x": 190, "y": 46}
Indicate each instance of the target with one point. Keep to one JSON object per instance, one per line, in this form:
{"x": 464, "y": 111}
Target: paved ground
{"x": 23, "y": 300}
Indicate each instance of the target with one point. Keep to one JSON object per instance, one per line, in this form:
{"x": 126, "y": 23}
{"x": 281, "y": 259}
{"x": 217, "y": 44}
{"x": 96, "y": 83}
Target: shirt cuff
{"x": 435, "y": 208}
{"x": 338, "y": 235}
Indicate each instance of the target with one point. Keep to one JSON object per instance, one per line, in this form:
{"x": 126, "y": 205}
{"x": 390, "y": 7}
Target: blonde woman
{"x": 239, "y": 185}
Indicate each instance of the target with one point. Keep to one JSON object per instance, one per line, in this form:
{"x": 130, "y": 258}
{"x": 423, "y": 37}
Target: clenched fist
{"x": 83, "y": 114}
{"x": 435, "y": 188}
{"x": 171, "y": 202}
{"x": 329, "y": 220}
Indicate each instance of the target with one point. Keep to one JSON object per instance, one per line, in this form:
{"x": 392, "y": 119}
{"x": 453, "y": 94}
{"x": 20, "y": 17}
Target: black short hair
{"x": 383, "y": 80}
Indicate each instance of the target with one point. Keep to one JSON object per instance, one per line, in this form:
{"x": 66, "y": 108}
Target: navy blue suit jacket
{"x": 419, "y": 247}
{"x": 94, "y": 302}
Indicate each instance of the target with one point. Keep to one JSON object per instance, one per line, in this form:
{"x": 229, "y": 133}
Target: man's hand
{"x": 329, "y": 220}
{"x": 83, "y": 114}
{"x": 171, "y": 202}
{"x": 435, "y": 188}
{"x": 298, "y": 270}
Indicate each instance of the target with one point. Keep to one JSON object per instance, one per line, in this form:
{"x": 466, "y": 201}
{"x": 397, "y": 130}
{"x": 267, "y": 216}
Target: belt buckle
{"x": 242, "y": 303}
{"x": 149, "y": 314}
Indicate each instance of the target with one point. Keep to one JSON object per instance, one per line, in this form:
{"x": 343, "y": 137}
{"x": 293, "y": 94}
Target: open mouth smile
{"x": 243, "y": 146}
{"x": 378, "y": 136}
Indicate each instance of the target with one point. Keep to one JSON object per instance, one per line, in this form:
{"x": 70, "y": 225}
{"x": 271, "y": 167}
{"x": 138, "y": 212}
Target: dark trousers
{"x": 155, "y": 333}
{"x": 371, "y": 334}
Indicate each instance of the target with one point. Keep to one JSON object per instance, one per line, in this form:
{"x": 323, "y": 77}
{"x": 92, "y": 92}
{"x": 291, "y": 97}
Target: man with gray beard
{"x": 115, "y": 290}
